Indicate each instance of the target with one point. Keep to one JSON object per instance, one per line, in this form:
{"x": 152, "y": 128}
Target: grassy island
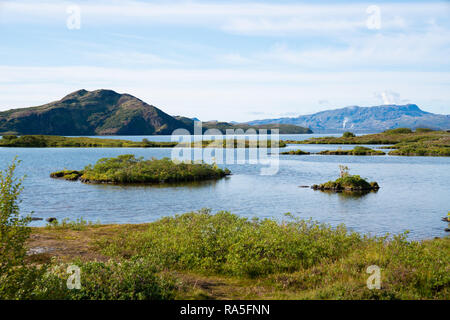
{"x": 347, "y": 182}
{"x": 404, "y": 141}
{"x": 295, "y": 152}
{"x": 357, "y": 151}
{"x": 128, "y": 169}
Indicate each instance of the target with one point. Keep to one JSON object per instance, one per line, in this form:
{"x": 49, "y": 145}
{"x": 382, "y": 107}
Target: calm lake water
{"x": 414, "y": 194}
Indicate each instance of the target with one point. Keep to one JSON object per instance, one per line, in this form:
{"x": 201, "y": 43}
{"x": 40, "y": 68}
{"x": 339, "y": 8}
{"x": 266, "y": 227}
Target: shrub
{"x": 79, "y": 224}
{"x": 71, "y": 175}
{"x": 423, "y": 130}
{"x": 9, "y": 137}
{"x": 125, "y": 280}
{"x": 348, "y": 134}
{"x": 13, "y": 228}
{"x": 398, "y": 131}
{"x": 228, "y": 244}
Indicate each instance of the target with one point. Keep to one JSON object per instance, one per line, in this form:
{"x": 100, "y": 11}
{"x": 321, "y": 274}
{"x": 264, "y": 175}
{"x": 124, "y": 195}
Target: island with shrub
{"x": 347, "y": 182}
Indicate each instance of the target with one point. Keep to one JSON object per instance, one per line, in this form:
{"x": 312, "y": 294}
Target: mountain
{"x": 366, "y": 119}
{"x": 99, "y": 112}
{"x": 223, "y": 126}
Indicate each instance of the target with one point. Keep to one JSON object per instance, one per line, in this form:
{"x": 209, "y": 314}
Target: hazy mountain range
{"x": 106, "y": 112}
{"x": 366, "y": 119}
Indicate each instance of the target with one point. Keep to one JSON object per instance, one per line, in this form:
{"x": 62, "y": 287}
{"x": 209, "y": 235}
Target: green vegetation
{"x": 42, "y": 141}
{"x": 233, "y": 143}
{"x": 295, "y": 152}
{"x": 88, "y": 113}
{"x": 13, "y": 231}
{"x": 294, "y": 258}
{"x": 247, "y": 258}
{"x": 20, "y": 279}
{"x": 347, "y": 182}
{"x": 348, "y": 134}
{"x": 71, "y": 175}
{"x": 422, "y": 130}
{"x": 422, "y": 142}
{"x": 357, "y": 151}
{"x": 67, "y": 224}
{"x": 399, "y": 131}
{"x": 128, "y": 169}
{"x": 423, "y": 148}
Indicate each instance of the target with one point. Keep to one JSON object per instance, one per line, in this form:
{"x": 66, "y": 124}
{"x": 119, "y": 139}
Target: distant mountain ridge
{"x": 106, "y": 112}
{"x": 224, "y": 126}
{"x": 366, "y": 119}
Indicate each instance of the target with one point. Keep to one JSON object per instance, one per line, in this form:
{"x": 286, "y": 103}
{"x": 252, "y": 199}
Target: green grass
{"x": 422, "y": 142}
{"x": 296, "y": 258}
{"x": 67, "y": 224}
{"x": 423, "y": 148}
{"x": 295, "y": 152}
{"x": 112, "y": 280}
{"x": 356, "y": 151}
{"x": 128, "y": 169}
{"x": 202, "y": 255}
{"x": 45, "y": 141}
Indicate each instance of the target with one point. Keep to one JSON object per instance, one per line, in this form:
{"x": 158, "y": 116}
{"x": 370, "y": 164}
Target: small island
{"x": 295, "y": 152}
{"x": 356, "y": 151}
{"x": 126, "y": 169}
{"x": 347, "y": 182}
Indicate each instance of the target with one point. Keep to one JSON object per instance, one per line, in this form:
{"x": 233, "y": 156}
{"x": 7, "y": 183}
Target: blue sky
{"x": 229, "y": 60}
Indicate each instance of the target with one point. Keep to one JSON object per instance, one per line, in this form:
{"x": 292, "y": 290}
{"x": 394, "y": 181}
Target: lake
{"x": 414, "y": 194}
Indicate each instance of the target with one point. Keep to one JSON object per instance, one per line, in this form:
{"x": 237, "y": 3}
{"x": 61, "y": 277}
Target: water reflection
{"x": 183, "y": 184}
{"x": 346, "y": 194}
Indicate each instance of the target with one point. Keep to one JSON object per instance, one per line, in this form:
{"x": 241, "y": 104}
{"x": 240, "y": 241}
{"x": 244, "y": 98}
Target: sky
{"x": 228, "y": 60}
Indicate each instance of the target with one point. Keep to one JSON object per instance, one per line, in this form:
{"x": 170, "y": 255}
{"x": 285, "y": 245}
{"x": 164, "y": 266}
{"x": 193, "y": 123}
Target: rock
{"x": 303, "y": 186}
{"x": 52, "y": 219}
{"x": 36, "y": 219}
{"x": 447, "y": 229}
{"x": 39, "y": 250}
{"x": 446, "y": 219}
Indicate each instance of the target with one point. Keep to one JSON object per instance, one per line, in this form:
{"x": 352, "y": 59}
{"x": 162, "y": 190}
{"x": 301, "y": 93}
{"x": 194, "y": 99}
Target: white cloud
{"x": 223, "y": 93}
{"x": 245, "y": 18}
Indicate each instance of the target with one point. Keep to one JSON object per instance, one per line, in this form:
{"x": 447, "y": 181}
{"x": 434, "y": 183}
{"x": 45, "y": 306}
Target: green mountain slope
{"x": 99, "y": 112}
